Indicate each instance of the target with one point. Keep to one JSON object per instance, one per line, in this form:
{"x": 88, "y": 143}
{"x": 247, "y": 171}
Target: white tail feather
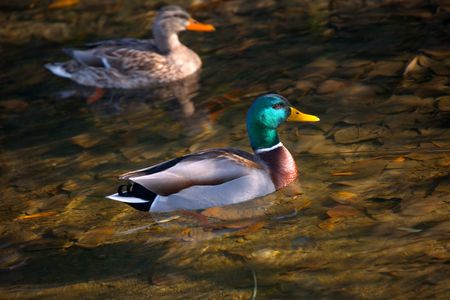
{"x": 116, "y": 197}
{"x": 58, "y": 70}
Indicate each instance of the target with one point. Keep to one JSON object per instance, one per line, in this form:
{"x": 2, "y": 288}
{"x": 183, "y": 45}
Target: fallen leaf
{"x": 329, "y": 224}
{"x": 399, "y": 159}
{"x": 444, "y": 162}
{"x": 36, "y": 215}
{"x": 186, "y": 231}
{"x": 62, "y": 3}
{"x": 344, "y": 173}
{"x": 411, "y": 66}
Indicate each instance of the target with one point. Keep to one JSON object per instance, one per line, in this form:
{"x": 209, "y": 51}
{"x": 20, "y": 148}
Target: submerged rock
{"x": 386, "y": 68}
{"x": 444, "y": 103}
{"x": 95, "y": 236}
{"x": 318, "y": 70}
{"x": 14, "y": 105}
{"x": 345, "y": 197}
{"x": 305, "y": 86}
{"x": 342, "y": 211}
{"x": 346, "y": 88}
{"x": 357, "y": 134}
{"x": 86, "y": 140}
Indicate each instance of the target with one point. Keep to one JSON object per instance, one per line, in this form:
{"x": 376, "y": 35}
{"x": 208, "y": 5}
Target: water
{"x": 371, "y": 222}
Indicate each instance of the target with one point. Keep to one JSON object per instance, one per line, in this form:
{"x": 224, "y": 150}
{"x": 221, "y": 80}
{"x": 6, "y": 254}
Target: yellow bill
{"x": 298, "y": 116}
{"x": 197, "y": 26}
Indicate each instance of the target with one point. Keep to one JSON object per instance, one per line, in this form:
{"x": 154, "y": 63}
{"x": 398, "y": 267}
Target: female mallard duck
{"x": 225, "y": 176}
{"x": 134, "y": 63}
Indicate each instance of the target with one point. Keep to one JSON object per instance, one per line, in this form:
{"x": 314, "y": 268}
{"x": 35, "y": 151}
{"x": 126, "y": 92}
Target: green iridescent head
{"x": 265, "y": 115}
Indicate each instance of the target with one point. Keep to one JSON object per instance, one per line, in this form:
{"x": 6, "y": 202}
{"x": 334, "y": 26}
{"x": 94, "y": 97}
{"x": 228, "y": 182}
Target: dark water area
{"x": 372, "y": 221}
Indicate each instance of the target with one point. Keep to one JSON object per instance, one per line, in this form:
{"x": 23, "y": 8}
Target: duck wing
{"x": 138, "y": 44}
{"x": 206, "y": 168}
{"x": 122, "y": 59}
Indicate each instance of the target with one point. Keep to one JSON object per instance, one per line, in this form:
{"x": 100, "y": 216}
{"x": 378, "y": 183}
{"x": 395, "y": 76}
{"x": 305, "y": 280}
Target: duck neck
{"x": 262, "y": 137}
{"x": 271, "y": 151}
{"x": 281, "y": 164}
{"x": 166, "y": 42}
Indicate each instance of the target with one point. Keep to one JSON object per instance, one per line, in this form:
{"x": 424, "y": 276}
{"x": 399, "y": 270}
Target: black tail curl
{"x": 137, "y": 191}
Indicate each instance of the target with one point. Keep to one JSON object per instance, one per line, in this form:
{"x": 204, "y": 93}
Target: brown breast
{"x": 281, "y": 165}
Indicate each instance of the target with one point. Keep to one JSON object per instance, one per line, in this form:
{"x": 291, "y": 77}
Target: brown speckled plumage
{"x": 134, "y": 63}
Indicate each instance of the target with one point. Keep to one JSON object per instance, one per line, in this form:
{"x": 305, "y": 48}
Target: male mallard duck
{"x": 218, "y": 177}
{"x": 134, "y": 63}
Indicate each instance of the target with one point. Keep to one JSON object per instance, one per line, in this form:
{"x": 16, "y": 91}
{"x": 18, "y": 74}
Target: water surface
{"x": 371, "y": 221}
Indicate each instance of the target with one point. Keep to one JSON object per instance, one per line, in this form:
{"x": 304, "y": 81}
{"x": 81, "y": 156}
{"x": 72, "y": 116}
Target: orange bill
{"x": 197, "y": 26}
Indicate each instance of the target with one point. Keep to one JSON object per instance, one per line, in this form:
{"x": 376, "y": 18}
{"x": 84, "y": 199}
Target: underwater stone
{"x": 386, "y": 68}
{"x": 14, "y": 105}
{"x": 342, "y": 211}
{"x": 85, "y": 140}
{"x": 354, "y": 135}
{"x": 444, "y": 103}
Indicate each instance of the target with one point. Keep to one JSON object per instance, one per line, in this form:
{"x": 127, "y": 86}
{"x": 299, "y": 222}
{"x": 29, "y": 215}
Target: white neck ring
{"x": 262, "y": 150}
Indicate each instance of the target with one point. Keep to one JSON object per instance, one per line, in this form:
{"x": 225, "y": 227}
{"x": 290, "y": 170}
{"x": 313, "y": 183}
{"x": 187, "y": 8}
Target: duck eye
{"x": 181, "y": 16}
{"x": 277, "y": 105}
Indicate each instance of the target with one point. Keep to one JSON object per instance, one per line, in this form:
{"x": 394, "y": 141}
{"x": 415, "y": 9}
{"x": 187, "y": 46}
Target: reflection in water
{"x": 176, "y": 96}
{"x": 371, "y": 223}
